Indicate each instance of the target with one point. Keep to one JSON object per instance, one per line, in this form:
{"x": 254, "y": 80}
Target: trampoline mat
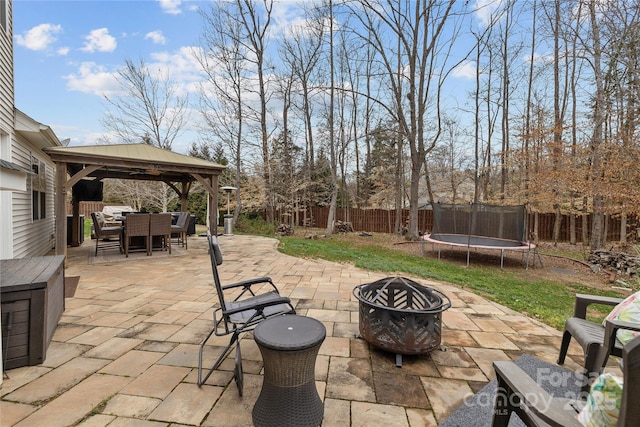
{"x": 477, "y": 241}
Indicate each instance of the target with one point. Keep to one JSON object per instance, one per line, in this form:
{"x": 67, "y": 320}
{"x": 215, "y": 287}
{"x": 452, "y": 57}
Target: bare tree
{"x": 148, "y": 109}
{"x": 255, "y": 24}
{"x": 301, "y": 51}
{"x": 332, "y": 147}
{"x": 595, "y": 49}
{"x": 223, "y": 60}
{"x": 415, "y": 93}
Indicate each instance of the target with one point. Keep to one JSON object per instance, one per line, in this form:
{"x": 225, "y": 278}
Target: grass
{"x": 549, "y": 301}
{"x": 87, "y": 227}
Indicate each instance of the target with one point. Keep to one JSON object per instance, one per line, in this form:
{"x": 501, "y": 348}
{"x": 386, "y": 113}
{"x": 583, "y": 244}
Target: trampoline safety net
{"x": 480, "y": 220}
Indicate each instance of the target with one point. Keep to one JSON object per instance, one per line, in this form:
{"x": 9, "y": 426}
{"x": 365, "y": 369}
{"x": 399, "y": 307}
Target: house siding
{"x": 32, "y": 237}
{"x": 6, "y": 75}
{"x": 6, "y": 130}
{"x": 28, "y": 237}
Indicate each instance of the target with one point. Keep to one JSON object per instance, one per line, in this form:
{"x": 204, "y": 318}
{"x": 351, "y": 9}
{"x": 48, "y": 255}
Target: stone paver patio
{"x": 125, "y": 351}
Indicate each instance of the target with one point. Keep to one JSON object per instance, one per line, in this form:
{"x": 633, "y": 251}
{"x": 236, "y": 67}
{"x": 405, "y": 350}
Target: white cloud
{"x": 466, "y": 70}
{"x": 39, "y": 37}
{"x": 171, "y": 6}
{"x": 156, "y": 37}
{"x": 181, "y": 66}
{"x": 94, "y": 79}
{"x": 99, "y": 40}
{"x": 538, "y": 58}
{"x": 63, "y": 51}
{"x": 485, "y": 11}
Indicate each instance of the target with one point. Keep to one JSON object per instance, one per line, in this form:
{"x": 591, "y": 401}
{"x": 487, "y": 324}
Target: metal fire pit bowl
{"x": 401, "y": 316}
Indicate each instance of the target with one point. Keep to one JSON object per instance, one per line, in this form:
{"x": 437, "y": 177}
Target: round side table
{"x": 289, "y": 345}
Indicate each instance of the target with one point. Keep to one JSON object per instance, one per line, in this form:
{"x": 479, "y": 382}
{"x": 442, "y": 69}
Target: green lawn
{"x": 551, "y": 302}
{"x": 87, "y": 228}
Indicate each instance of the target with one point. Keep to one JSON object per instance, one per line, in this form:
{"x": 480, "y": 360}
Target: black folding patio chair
{"x": 257, "y": 300}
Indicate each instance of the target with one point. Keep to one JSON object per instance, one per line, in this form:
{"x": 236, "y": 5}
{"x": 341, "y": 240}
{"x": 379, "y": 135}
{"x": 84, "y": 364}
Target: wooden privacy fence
{"x": 87, "y": 207}
{"x": 383, "y": 221}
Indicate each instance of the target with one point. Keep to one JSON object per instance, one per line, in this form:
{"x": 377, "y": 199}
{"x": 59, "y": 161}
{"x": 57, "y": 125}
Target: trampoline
{"x": 482, "y": 226}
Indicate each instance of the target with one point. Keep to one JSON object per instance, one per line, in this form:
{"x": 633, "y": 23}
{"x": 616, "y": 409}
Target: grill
{"x": 401, "y": 316}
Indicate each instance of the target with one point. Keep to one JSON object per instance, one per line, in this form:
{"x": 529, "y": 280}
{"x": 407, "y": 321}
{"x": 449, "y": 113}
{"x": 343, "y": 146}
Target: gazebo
{"x": 127, "y": 161}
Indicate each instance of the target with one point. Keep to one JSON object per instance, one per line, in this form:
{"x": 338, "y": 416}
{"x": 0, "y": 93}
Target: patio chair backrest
{"x": 629, "y": 408}
{"x": 98, "y": 221}
{"x": 160, "y": 224}
{"x": 216, "y": 260}
{"x": 137, "y": 225}
{"x": 181, "y": 222}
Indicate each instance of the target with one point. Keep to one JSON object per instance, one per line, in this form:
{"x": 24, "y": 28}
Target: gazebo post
{"x": 75, "y": 238}
{"x": 61, "y": 209}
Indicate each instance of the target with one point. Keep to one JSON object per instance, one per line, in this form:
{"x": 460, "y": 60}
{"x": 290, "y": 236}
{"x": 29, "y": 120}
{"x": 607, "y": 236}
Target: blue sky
{"x": 66, "y": 52}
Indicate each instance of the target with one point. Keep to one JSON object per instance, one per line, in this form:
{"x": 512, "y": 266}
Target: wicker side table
{"x": 289, "y": 345}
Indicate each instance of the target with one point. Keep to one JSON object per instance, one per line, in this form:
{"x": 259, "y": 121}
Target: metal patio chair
{"x": 519, "y": 393}
{"x": 245, "y": 311}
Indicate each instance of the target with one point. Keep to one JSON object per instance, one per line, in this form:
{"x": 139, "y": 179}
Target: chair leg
{"x": 564, "y": 347}
{"x": 502, "y": 407}
{"x": 591, "y": 368}
{"x": 223, "y": 355}
{"x": 238, "y": 373}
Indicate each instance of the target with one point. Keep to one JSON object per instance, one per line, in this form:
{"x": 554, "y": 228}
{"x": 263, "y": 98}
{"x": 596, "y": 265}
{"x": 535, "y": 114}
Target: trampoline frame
{"x": 522, "y": 246}
{"x": 490, "y": 242}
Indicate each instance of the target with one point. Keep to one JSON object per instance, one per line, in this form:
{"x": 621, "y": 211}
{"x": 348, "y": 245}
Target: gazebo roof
{"x": 133, "y": 161}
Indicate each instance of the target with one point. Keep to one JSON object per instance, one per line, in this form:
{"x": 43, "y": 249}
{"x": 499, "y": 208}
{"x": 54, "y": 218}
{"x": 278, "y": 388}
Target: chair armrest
{"x": 249, "y": 283}
{"x": 611, "y": 328}
{"x": 259, "y": 305}
{"x": 584, "y": 300}
{"x": 534, "y": 400}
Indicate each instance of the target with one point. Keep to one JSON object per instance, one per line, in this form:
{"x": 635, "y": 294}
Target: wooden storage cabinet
{"x": 32, "y": 300}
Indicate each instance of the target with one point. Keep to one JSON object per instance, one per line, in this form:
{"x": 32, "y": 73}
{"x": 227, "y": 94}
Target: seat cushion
{"x": 627, "y": 311}
{"x": 100, "y": 218}
{"x": 603, "y": 403}
{"x": 260, "y": 299}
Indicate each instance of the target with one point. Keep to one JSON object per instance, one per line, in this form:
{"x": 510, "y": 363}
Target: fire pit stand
{"x": 401, "y": 316}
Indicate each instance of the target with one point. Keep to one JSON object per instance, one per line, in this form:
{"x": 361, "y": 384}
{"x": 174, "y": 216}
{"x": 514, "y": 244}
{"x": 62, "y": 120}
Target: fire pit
{"x": 401, "y": 316}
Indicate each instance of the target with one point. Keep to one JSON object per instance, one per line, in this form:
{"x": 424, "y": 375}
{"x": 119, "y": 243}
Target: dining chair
{"x": 104, "y": 233}
{"x": 136, "y": 225}
{"x": 181, "y": 227}
{"x": 160, "y": 225}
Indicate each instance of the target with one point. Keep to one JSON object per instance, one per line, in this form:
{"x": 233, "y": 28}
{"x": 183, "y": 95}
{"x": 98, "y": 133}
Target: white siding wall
{"x": 6, "y": 76}
{"x": 6, "y": 129}
{"x": 6, "y": 124}
{"x": 32, "y": 238}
